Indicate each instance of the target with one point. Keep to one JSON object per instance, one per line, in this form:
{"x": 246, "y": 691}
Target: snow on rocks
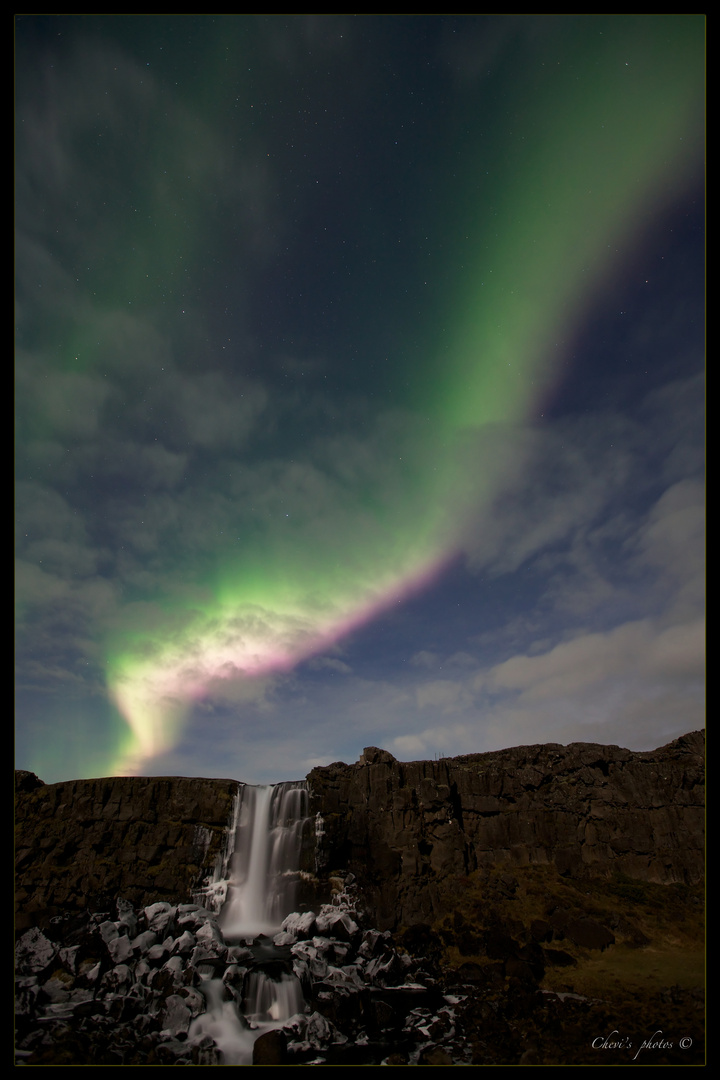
{"x": 34, "y": 952}
{"x": 161, "y": 986}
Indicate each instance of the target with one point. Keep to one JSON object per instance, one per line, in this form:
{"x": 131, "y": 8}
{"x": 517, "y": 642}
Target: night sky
{"x": 359, "y": 388}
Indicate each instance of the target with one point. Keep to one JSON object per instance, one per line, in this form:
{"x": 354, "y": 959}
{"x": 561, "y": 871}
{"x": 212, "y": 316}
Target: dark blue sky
{"x": 359, "y": 370}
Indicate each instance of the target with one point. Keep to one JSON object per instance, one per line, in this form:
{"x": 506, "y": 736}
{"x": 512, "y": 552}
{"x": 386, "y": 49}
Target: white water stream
{"x": 255, "y": 883}
{"x": 264, "y": 864}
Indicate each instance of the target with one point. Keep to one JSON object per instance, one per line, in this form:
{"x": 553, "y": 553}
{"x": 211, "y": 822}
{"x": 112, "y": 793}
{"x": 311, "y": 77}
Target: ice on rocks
{"x": 284, "y": 938}
{"x": 302, "y": 925}
{"x": 127, "y": 916}
{"x": 185, "y": 944}
{"x": 145, "y": 941}
{"x": 160, "y": 916}
{"x": 176, "y": 1015}
{"x": 118, "y": 980}
{"x": 120, "y": 949}
{"x": 34, "y": 952}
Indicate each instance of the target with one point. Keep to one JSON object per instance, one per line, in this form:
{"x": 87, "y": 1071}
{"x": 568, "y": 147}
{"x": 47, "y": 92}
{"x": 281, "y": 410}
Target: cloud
{"x": 623, "y": 685}
{"x": 672, "y": 544}
{"x": 575, "y": 669}
{"x": 329, "y": 663}
{"x": 554, "y": 481}
{"x": 672, "y": 418}
{"x": 218, "y": 471}
{"x": 70, "y": 405}
{"x": 425, "y": 659}
{"x": 445, "y": 696}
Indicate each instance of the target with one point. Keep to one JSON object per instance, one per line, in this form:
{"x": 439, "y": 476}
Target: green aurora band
{"x": 597, "y": 147}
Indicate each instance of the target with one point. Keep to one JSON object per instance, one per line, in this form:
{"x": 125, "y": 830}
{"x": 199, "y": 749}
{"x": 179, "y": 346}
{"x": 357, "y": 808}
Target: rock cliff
{"x": 506, "y": 876}
{"x": 410, "y": 832}
{"x": 80, "y": 844}
{"x": 413, "y": 832}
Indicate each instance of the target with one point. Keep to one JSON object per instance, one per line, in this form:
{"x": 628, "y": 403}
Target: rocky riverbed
{"x": 160, "y": 985}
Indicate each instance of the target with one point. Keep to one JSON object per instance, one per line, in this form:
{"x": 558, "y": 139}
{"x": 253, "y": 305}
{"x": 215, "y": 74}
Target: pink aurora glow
{"x": 156, "y": 696}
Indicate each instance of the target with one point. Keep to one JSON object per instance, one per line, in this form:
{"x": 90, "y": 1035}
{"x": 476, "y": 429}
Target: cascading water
{"x": 272, "y": 1000}
{"x": 264, "y": 863}
{"x": 254, "y": 888}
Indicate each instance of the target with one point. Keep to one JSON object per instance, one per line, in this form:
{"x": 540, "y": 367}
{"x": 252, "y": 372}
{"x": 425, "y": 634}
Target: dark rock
{"x": 481, "y": 974}
{"x": 337, "y": 924}
{"x": 81, "y": 843}
{"x": 589, "y": 934}
{"x": 371, "y": 755}
{"x": 435, "y": 1055}
{"x": 34, "y": 952}
{"x": 499, "y": 946}
{"x": 373, "y": 943}
{"x": 300, "y": 925}
{"x": 396, "y": 1058}
{"x": 412, "y": 831}
{"x": 271, "y": 1049}
{"x": 27, "y": 781}
{"x": 385, "y": 1016}
{"x": 176, "y": 1015}
{"x": 421, "y": 940}
{"x": 631, "y": 934}
{"x": 173, "y": 1052}
{"x": 559, "y": 958}
{"x": 540, "y": 930}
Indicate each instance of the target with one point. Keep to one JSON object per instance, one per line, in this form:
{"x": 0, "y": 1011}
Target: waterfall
{"x": 272, "y": 1000}
{"x": 253, "y": 887}
{"x": 268, "y": 1003}
{"x": 263, "y": 868}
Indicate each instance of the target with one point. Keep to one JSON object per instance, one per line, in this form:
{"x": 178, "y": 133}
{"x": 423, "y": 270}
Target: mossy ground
{"x": 669, "y": 917}
{"x": 651, "y": 979}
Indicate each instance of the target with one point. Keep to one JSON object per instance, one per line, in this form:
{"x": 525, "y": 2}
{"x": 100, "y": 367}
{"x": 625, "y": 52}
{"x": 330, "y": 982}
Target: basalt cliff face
{"x": 80, "y": 844}
{"x": 541, "y": 899}
{"x": 412, "y": 833}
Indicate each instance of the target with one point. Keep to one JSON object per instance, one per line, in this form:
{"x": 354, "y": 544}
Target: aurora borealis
{"x": 359, "y": 388}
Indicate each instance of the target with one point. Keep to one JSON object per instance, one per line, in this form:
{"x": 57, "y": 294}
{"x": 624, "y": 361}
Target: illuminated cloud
{"x": 285, "y": 355}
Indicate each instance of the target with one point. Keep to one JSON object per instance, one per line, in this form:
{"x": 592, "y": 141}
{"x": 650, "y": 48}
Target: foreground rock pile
{"x": 156, "y": 986}
{"x": 93, "y": 989}
{"x": 160, "y": 986}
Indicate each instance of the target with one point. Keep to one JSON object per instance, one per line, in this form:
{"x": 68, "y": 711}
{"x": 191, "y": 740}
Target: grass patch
{"x": 659, "y": 929}
{"x": 632, "y": 971}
